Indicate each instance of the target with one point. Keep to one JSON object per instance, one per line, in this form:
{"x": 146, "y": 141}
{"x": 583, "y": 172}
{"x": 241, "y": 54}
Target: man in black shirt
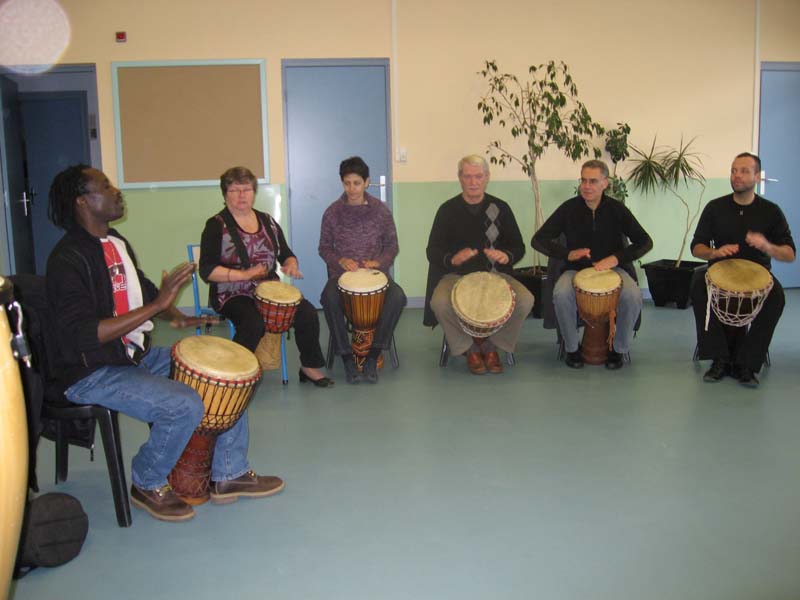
{"x": 747, "y": 226}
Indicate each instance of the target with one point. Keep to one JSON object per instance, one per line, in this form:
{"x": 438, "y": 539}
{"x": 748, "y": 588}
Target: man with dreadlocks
{"x": 105, "y": 306}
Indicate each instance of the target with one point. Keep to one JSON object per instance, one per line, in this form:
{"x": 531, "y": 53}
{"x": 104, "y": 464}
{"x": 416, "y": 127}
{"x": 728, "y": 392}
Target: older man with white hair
{"x": 474, "y": 232}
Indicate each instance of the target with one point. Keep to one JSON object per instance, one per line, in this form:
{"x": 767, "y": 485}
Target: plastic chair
{"x": 193, "y": 251}
{"x": 62, "y": 414}
{"x": 64, "y": 422}
{"x": 444, "y": 355}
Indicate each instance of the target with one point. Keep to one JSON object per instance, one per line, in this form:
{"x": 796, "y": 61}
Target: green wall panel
{"x": 161, "y": 221}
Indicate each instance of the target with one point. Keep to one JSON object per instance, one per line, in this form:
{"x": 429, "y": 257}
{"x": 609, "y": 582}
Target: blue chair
{"x": 193, "y": 251}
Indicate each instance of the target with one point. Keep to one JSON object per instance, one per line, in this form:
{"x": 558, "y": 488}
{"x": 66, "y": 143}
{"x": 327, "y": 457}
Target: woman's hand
{"x": 291, "y": 269}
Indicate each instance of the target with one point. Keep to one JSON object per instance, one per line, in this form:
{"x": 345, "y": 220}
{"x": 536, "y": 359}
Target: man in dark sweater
{"x": 596, "y": 229}
{"x": 358, "y": 232}
{"x": 474, "y": 232}
{"x": 747, "y": 226}
{"x": 105, "y": 305}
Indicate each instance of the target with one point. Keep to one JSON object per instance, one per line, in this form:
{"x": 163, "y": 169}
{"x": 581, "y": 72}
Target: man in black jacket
{"x": 474, "y": 232}
{"x": 595, "y": 228}
{"x": 105, "y": 305}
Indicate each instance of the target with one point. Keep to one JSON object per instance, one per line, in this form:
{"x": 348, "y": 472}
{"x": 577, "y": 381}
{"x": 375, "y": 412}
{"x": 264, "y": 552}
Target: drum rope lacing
{"x": 717, "y": 297}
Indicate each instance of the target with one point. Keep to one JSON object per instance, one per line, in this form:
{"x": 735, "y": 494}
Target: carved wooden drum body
{"x": 597, "y": 296}
{"x": 224, "y": 374}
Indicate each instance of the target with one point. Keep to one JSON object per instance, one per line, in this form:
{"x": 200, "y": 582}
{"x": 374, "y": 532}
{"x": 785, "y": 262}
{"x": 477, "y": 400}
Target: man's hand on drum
{"x": 578, "y": 254}
{"x": 348, "y": 264}
{"x": 495, "y": 255}
{"x": 758, "y": 241}
{"x": 723, "y": 251}
{"x": 462, "y": 256}
{"x": 370, "y": 264}
{"x": 609, "y": 262}
{"x": 291, "y": 268}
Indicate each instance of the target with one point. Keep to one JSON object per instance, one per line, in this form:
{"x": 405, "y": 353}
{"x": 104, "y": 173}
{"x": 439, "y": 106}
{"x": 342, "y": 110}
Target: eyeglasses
{"x": 236, "y": 191}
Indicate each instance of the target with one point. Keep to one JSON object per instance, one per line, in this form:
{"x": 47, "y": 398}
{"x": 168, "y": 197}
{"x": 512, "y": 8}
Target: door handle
{"x": 763, "y": 183}
{"x": 382, "y": 186}
{"x": 25, "y": 201}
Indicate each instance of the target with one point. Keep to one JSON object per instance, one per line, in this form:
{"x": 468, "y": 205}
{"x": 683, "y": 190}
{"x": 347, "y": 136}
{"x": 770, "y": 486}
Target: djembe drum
{"x": 277, "y": 302}
{"x": 363, "y": 292}
{"x": 597, "y": 296}
{"x": 224, "y": 374}
{"x": 13, "y": 443}
{"x": 737, "y": 289}
{"x": 483, "y": 302}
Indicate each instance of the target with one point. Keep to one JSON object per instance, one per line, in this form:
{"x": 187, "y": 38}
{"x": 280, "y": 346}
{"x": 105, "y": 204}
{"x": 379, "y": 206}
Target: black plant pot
{"x": 531, "y": 278}
{"x": 669, "y": 284}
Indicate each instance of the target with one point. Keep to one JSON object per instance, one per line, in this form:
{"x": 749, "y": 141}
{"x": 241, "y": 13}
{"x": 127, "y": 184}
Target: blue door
{"x": 18, "y": 251}
{"x": 779, "y": 148}
{"x": 332, "y": 109}
{"x": 56, "y": 131}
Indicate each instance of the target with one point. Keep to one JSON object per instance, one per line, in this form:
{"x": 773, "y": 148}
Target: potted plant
{"x": 677, "y": 171}
{"x": 540, "y": 111}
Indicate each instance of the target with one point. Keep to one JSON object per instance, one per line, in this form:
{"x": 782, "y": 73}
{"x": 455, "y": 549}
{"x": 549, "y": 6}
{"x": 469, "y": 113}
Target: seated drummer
{"x": 474, "y": 232}
{"x": 358, "y": 232}
{"x": 595, "y": 227}
{"x": 241, "y": 247}
{"x": 105, "y": 305}
{"x": 740, "y": 225}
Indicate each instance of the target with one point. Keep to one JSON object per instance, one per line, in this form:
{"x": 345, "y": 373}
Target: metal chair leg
{"x": 284, "y": 370}
{"x": 445, "y": 353}
{"x": 329, "y": 357}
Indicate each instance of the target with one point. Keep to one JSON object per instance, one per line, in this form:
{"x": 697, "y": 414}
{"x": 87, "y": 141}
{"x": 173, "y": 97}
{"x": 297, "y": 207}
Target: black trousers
{"x": 249, "y": 324}
{"x": 331, "y": 301}
{"x": 742, "y": 346}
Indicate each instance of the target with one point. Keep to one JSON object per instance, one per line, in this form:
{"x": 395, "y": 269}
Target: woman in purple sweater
{"x": 358, "y": 232}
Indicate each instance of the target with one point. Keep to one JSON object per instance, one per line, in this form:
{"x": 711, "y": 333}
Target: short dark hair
{"x": 68, "y": 186}
{"x": 755, "y": 157}
{"x": 354, "y": 165}
{"x": 596, "y": 164}
{"x": 237, "y": 175}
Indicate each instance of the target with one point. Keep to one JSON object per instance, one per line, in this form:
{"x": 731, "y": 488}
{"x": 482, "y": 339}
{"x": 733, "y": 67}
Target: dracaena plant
{"x": 677, "y": 170}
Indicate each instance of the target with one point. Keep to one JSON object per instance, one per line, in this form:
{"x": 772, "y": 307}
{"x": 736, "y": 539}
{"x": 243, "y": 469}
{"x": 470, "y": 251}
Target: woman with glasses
{"x": 241, "y": 247}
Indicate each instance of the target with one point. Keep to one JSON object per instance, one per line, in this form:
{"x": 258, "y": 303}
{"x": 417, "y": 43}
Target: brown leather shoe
{"x": 493, "y": 364}
{"x": 163, "y": 503}
{"x": 475, "y": 363}
{"x": 249, "y": 485}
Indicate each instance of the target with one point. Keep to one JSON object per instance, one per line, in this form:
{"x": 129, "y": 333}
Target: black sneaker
{"x": 747, "y": 378}
{"x": 614, "y": 360}
{"x": 370, "y": 373}
{"x": 351, "y": 373}
{"x": 574, "y": 360}
{"x": 719, "y": 368}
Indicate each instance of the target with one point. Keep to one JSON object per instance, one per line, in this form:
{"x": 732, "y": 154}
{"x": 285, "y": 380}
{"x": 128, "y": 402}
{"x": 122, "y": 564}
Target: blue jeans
{"x": 628, "y": 309}
{"x": 146, "y": 393}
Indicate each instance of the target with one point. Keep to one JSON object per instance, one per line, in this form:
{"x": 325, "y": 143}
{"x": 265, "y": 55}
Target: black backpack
{"x": 53, "y": 532}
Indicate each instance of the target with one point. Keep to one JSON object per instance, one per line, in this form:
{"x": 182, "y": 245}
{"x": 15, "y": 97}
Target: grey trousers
{"x": 457, "y": 339}
{"x": 630, "y": 305}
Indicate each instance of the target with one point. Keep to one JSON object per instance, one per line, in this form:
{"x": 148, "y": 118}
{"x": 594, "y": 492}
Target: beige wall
{"x": 684, "y": 67}
{"x": 780, "y": 27}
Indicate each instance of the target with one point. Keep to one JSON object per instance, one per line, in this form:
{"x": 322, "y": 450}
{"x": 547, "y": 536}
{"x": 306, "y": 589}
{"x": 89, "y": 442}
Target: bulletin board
{"x": 184, "y": 123}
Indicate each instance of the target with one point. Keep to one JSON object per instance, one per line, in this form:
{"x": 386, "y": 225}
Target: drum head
{"x": 596, "y": 282}
{"x": 482, "y": 298}
{"x": 363, "y": 281}
{"x": 278, "y": 292}
{"x": 217, "y": 358}
{"x": 739, "y": 275}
